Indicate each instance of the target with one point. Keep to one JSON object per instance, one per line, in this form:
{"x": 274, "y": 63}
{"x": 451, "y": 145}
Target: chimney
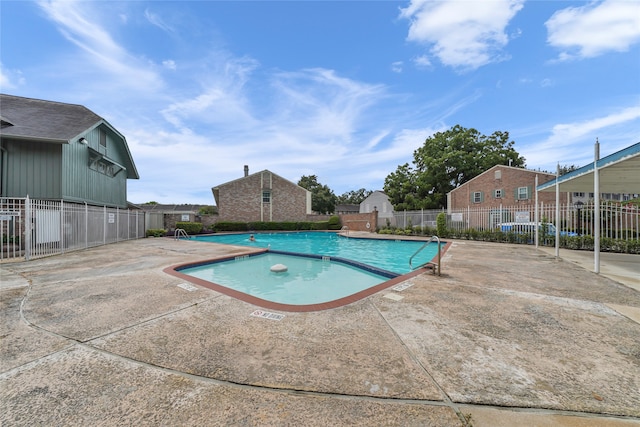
{"x": 246, "y": 170}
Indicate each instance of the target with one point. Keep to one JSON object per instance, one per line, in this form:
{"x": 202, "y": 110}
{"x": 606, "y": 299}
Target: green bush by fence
{"x": 271, "y": 226}
{"x": 156, "y": 232}
{"x": 585, "y": 243}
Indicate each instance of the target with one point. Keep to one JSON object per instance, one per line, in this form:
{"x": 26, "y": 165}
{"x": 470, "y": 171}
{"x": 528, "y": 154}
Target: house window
{"x": 578, "y": 194}
{"x": 477, "y": 197}
{"x": 266, "y": 196}
{"x": 497, "y": 194}
{"x": 498, "y": 174}
{"x": 103, "y": 138}
{"x": 523, "y": 193}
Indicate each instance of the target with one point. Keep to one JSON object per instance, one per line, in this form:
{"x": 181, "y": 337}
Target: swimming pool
{"x": 324, "y": 270}
{"x": 307, "y": 279}
{"x": 386, "y": 254}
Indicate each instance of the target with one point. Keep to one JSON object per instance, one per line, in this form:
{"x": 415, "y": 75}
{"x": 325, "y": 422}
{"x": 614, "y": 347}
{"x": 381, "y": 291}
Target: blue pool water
{"x": 307, "y": 280}
{"x": 390, "y": 255}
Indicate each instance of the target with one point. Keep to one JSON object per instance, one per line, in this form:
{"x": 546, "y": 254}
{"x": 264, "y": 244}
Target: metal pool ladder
{"x": 345, "y": 230}
{"x": 435, "y": 265}
{"x": 180, "y": 232}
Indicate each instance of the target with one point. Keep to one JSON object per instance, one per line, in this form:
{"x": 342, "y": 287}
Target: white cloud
{"x": 222, "y": 99}
{"x": 396, "y": 67}
{"x": 81, "y": 25}
{"x": 310, "y": 120}
{"x": 594, "y": 29}
{"x": 546, "y": 83}
{"x": 10, "y": 79}
{"x": 169, "y": 64}
{"x": 567, "y": 133}
{"x": 422, "y": 61}
{"x": 573, "y": 142}
{"x": 156, "y": 20}
{"x": 462, "y": 34}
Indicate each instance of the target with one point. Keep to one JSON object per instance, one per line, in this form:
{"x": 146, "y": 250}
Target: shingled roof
{"x": 27, "y": 118}
{"x": 32, "y": 119}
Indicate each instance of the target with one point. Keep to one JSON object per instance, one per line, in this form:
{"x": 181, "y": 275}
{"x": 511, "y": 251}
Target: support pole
{"x": 558, "y": 211}
{"x": 536, "y": 216}
{"x": 596, "y": 209}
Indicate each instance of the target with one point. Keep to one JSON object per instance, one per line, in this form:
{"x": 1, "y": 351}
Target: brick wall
{"x": 358, "y": 222}
{"x": 241, "y": 200}
{"x": 507, "y": 180}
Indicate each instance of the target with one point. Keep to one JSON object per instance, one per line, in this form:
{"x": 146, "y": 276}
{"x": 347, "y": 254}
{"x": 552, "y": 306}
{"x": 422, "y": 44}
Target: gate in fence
{"x": 38, "y": 228}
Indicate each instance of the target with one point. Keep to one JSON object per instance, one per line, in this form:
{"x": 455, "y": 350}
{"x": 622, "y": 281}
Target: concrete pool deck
{"x": 508, "y": 335}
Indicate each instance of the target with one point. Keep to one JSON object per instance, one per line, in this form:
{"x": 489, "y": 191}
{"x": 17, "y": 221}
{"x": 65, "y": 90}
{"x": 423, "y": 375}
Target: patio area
{"x": 508, "y": 335}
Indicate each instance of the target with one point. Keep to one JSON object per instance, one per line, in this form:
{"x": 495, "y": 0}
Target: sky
{"x": 343, "y": 90}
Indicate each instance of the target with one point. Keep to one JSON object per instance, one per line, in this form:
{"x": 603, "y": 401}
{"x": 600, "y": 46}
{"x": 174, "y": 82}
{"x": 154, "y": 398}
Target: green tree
{"x": 323, "y": 200}
{"x": 445, "y": 161}
{"x": 354, "y": 197}
{"x": 401, "y": 188}
{"x": 208, "y": 210}
{"x": 565, "y": 169}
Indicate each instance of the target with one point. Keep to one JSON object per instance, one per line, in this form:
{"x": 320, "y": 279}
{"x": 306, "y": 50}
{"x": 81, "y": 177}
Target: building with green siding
{"x": 57, "y": 151}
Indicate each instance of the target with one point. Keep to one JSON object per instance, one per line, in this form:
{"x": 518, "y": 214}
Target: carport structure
{"x": 616, "y": 173}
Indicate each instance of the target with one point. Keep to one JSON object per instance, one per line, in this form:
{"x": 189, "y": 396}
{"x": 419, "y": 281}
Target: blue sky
{"x": 344, "y": 90}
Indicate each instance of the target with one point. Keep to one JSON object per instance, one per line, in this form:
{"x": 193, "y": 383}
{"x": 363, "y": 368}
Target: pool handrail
{"x": 181, "y": 232}
{"x": 435, "y": 265}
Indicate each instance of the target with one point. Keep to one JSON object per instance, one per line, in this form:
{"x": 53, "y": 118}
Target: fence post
{"x": 27, "y": 228}
{"x": 104, "y": 225}
{"x": 61, "y": 225}
{"x": 86, "y": 225}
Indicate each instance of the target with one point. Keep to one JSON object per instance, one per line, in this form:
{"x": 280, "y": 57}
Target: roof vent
{"x": 246, "y": 170}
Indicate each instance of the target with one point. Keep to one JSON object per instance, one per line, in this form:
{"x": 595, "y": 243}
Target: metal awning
{"x": 618, "y": 173}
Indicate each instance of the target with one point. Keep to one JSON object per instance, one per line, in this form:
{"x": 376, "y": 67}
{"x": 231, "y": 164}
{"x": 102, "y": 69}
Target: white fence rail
{"x": 617, "y": 221}
{"x": 38, "y": 228}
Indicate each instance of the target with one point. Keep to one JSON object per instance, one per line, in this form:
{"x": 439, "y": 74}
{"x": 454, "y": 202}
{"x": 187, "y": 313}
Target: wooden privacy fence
{"x": 617, "y": 221}
{"x": 37, "y": 228}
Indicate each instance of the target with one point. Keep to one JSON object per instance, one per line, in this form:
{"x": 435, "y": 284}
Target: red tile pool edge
{"x": 172, "y": 270}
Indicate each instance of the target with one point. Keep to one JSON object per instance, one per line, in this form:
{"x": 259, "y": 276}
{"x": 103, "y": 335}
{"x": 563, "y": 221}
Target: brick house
{"x": 262, "y": 196}
{"x": 502, "y": 186}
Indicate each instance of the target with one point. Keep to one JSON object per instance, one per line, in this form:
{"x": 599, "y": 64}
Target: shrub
{"x": 156, "y": 232}
{"x": 334, "y": 223}
{"x": 441, "y": 224}
{"x": 190, "y": 227}
{"x": 271, "y": 226}
{"x": 320, "y": 225}
{"x": 230, "y": 226}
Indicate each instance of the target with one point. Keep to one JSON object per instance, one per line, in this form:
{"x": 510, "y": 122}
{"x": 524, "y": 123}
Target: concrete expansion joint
{"x": 464, "y": 418}
{"x": 250, "y": 386}
{"x": 551, "y": 412}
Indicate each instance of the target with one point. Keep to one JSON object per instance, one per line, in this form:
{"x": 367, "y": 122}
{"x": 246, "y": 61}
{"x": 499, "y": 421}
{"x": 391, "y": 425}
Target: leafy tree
{"x": 400, "y": 186}
{"x": 565, "y": 169}
{"x": 323, "y": 200}
{"x": 208, "y": 210}
{"x": 445, "y": 161}
{"x": 354, "y": 197}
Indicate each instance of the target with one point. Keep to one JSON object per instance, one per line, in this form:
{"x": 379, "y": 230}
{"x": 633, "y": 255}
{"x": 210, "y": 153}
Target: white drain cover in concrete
{"x": 394, "y": 297}
{"x": 187, "y": 286}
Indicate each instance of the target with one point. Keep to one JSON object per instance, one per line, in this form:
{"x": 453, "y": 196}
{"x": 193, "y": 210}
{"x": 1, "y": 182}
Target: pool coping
{"x": 174, "y": 270}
